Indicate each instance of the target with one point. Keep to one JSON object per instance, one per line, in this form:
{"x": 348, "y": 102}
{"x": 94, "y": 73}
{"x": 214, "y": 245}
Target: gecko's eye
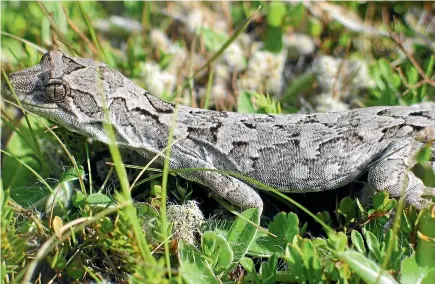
{"x": 56, "y": 90}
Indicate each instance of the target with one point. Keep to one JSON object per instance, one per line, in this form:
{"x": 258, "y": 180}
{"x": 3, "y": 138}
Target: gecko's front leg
{"x": 223, "y": 185}
{"x": 231, "y": 189}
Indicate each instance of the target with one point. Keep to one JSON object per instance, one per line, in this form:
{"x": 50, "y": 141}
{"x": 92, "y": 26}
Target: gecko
{"x": 294, "y": 153}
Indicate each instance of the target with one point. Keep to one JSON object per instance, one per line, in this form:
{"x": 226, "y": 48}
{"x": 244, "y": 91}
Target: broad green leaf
{"x": 285, "y": 226}
{"x": 265, "y": 245}
{"x": 412, "y": 76}
{"x": 311, "y": 259}
{"x": 193, "y": 267}
{"x": 373, "y": 244}
{"x": 368, "y": 270}
{"x": 295, "y": 262}
{"x": 324, "y": 216}
{"x": 348, "y": 209}
{"x": 337, "y": 242}
{"x": 244, "y": 103}
{"x": 70, "y": 174}
{"x": 396, "y": 81}
{"x": 242, "y": 233}
{"x": 376, "y": 75}
{"x": 216, "y": 251}
{"x": 425, "y": 253}
{"x": 276, "y": 14}
{"x": 299, "y": 85}
{"x": 145, "y": 209}
{"x": 297, "y": 13}
{"x": 315, "y": 27}
{"x": 249, "y": 266}
{"x": 98, "y": 198}
{"x": 14, "y": 174}
{"x": 213, "y": 40}
{"x": 424, "y": 155}
{"x": 28, "y": 195}
{"x": 320, "y": 242}
{"x": 392, "y": 203}
{"x": 107, "y": 225}
{"x": 75, "y": 269}
{"x": 79, "y": 199}
{"x": 414, "y": 273}
{"x": 380, "y": 199}
{"x": 57, "y": 261}
{"x": 385, "y": 68}
{"x": 273, "y": 41}
{"x": 268, "y": 270}
{"x": 358, "y": 241}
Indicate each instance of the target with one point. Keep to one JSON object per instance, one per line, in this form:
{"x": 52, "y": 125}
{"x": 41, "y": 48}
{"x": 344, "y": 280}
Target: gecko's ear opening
{"x": 56, "y": 90}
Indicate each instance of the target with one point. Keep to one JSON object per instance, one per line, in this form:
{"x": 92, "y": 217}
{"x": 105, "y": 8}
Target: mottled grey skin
{"x": 294, "y": 153}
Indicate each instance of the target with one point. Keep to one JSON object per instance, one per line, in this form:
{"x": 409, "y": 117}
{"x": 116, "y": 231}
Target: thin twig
{"x": 409, "y": 55}
{"x": 80, "y": 33}
{"x": 412, "y": 59}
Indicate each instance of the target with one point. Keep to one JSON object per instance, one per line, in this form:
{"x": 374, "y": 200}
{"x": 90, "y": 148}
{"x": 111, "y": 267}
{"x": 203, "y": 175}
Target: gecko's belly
{"x": 312, "y": 169}
{"x": 308, "y": 177}
{"x": 310, "y": 184}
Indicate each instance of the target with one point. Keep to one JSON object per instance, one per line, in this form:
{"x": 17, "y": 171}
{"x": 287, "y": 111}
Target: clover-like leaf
{"x": 285, "y": 226}
{"x": 216, "y": 251}
{"x": 194, "y": 268}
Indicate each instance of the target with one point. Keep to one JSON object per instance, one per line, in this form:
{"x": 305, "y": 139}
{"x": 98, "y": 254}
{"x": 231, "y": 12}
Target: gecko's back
{"x": 303, "y": 152}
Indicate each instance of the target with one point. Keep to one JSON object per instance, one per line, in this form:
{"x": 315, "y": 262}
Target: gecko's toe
{"x": 419, "y": 202}
{"x": 429, "y": 191}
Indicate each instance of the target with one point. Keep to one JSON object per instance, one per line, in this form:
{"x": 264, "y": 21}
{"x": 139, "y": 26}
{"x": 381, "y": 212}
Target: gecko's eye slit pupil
{"x": 56, "y": 90}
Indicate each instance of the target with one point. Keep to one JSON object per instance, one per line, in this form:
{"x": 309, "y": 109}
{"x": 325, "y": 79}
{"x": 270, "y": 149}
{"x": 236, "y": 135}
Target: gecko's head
{"x": 59, "y": 87}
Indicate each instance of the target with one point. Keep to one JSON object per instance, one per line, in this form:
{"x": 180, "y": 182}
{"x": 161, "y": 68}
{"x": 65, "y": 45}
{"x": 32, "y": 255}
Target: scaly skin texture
{"x": 294, "y": 153}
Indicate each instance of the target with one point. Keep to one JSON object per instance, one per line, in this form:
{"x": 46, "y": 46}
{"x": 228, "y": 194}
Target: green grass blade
{"x": 209, "y": 85}
{"x": 53, "y": 23}
{"x": 102, "y": 54}
{"x": 429, "y": 72}
{"x": 232, "y": 38}
{"x": 35, "y": 141}
{"x": 130, "y": 210}
{"x": 242, "y": 233}
{"x": 163, "y": 218}
{"x": 70, "y": 157}
{"x": 38, "y": 176}
{"x": 31, "y": 44}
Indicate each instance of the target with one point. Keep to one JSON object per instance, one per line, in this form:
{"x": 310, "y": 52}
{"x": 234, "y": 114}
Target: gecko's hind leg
{"x": 231, "y": 189}
{"x": 393, "y": 174}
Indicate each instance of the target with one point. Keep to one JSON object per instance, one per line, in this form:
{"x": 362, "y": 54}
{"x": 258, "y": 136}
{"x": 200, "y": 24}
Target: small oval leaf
{"x": 57, "y": 226}
{"x": 368, "y": 270}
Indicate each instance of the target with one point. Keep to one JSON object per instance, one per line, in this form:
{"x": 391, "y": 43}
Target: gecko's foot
{"x": 421, "y": 197}
{"x": 231, "y": 189}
